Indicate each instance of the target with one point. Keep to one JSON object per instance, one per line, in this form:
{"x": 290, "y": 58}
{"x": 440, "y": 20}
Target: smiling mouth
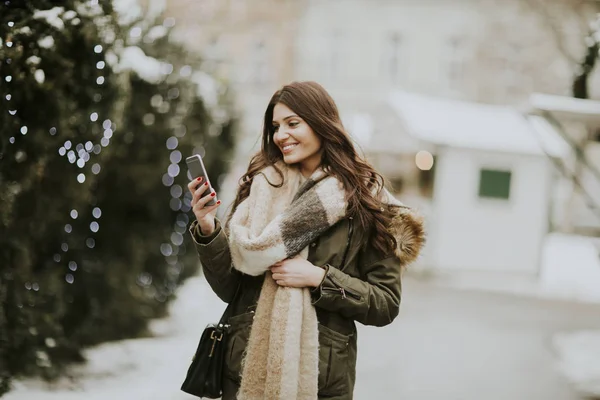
{"x": 289, "y": 147}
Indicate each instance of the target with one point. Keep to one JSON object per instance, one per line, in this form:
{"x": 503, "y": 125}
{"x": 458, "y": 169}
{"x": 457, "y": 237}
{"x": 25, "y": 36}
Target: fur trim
{"x": 407, "y": 227}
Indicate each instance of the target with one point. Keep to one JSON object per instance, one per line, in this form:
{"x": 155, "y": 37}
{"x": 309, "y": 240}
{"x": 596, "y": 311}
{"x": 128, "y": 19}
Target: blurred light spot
{"x": 166, "y": 249}
{"x": 68, "y": 228}
{"x": 156, "y": 100}
{"x": 67, "y": 144}
{"x": 89, "y": 146}
{"x": 144, "y": 279}
{"x": 100, "y": 65}
{"x": 81, "y": 163}
{"x": 81, "y": 178}
{"x": 56, "y": 258}
{"x": 97, "y": 149}
{"x": 96, "y": 169}
{"x": 35, "y": 286}
{"x": 97, "y": 212}
{"x": 62, "y": 151}
{"x": 135, "y": 32}
{"x": 180, "y": 131}
{"x": 185, "y": 71}
{"x": 173, "y": 93}
{"x": 176, "y": 191}
{"x": 176, "y": 238}
{"x": 90, "y": 242}
{"x": 175, "y": 204}
{"x": 27, "y": 285}
{"x": 50, "y": 343}
{"x": 8, "y": 97}
{"x": 167, "y": 180}
{"x": 108, "y": 133}
{"x": 100, "y": 80}
{"x": 173, "y": 170}
{"x": 148, "y": 119}
{"x": 64, "y": 247}
{"x": 424, "y": 160}
{"x": 94, "y": 117}
{"x": 94, "y": 226}
{"x": 172, "y": 143}
{"x": 104, "y": 142}
{"x": 12, "y": 139}
{"x": 106, "y": 124}
{"x": 72, "y": 265}
{"x": 175, "y": 156}
{"x": 53, "y": 131}
{"x": 183, "y": 219}
{"x": 24, "y": 130}
{"x": 97, "y": 49}
{"x": 69, "y": 278}
{"x": 74, "y": 214}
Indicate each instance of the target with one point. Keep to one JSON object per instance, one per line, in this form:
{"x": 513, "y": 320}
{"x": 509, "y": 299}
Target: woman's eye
{"x": 275, "y": 128}
{"x": 292, "y": 124}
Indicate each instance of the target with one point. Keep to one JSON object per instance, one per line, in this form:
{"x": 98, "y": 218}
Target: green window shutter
{"x": 494, "y": 184}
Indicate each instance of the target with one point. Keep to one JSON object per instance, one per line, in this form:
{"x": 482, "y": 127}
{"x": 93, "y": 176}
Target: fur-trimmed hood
{"x": 408, "y": 229}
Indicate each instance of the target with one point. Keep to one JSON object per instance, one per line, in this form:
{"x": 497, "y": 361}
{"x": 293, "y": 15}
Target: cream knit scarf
{"x": 272, "y": 224}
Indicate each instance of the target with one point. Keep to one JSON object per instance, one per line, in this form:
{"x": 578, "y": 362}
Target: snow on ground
{"x": 571, "y": 267}
{"x": 579, "y": 360}
{"x": 144, "y": 369}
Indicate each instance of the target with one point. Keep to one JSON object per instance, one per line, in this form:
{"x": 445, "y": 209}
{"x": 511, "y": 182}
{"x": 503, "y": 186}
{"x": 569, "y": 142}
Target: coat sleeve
{"x": 215, "y": 258}
{"x": 374, "y": 300}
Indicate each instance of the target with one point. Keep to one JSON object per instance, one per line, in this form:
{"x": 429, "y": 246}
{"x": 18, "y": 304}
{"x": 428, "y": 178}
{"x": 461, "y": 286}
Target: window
{"x": 494, "y": 184}
{"x": 391, "y": 59}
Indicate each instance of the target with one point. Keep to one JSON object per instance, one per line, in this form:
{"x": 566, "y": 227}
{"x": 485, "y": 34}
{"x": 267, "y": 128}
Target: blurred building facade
{"x": 363, "y": 51}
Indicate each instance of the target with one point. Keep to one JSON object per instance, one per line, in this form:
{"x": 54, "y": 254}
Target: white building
{"x": 490, "y": 207}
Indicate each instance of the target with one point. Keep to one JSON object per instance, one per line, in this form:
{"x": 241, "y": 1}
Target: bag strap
{"x": 229, "y": 309}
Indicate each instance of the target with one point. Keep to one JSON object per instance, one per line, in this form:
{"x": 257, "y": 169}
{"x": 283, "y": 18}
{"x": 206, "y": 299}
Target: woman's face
{"x": 296, "y": 140}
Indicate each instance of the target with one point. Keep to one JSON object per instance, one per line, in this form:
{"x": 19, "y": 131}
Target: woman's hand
{"x": 204, "y": 214}
{"x": 297, "y": 272}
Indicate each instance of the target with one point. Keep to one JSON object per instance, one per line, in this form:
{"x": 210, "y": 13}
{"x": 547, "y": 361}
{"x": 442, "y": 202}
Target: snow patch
{"x": 579, "y": 360}
{"x": 148, "y": 68}
{"x": 149, "y": 368}
{"x": 129, "y": 11}
{"x": 208, "y": 88}
{"x": 46, "y": 42}
{"x": 52, "y": 16}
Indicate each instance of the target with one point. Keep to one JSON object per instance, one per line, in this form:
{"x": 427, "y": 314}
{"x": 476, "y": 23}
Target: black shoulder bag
{"x": 205, "y": 374}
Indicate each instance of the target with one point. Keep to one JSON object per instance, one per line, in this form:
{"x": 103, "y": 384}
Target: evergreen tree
{"x": 97, "y": 119}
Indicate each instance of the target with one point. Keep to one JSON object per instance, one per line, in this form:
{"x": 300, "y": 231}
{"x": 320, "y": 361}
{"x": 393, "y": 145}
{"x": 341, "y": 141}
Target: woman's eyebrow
{"x": 288, "y": 117}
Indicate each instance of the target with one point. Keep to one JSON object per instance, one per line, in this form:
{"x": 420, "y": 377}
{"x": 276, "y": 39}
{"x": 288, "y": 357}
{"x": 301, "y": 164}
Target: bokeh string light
{"x": 80, "y": 153}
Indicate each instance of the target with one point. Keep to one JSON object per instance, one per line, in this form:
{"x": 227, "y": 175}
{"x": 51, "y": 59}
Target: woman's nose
{"x": 281, "y": 135}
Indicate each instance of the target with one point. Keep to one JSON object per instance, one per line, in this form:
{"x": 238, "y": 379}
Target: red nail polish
{"x": 218, "y": 201}
{"x": 206, "y": 183}
{"x": 213, "y": 194}
{"x": 199, "y": 179}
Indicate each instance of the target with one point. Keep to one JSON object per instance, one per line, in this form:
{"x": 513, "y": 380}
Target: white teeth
{"x": 289, "y": 146}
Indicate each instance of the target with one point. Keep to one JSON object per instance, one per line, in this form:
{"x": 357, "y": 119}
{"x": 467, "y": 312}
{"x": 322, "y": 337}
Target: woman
{"x": 314, "y": 243}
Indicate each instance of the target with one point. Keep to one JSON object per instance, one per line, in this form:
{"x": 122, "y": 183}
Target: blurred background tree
{"x": 100, "y": 109}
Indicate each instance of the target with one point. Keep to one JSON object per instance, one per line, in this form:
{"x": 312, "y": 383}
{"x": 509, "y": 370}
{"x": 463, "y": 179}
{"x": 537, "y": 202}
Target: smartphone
{"x": 196, "y": 168}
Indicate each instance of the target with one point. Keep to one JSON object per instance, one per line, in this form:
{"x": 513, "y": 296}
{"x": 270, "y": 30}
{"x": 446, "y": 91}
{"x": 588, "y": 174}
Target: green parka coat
{"x": 360, "y": 285}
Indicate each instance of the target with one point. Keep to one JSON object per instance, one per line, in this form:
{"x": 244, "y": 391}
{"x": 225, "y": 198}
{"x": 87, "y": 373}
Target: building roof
{"x": 565, "y": 108}
{"x": 476, "y": 126}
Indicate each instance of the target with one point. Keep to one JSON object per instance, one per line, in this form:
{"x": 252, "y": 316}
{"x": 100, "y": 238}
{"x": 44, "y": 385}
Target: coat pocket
{"x": 333, "y": 362}
{"x": 237, "y": 340}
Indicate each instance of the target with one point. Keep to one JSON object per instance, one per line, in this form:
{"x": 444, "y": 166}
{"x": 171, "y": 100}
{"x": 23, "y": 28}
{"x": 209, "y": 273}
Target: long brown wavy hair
{"x": 362, "y": 183}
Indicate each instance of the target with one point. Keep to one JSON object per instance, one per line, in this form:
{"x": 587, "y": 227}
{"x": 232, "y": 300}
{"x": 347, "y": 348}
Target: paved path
{"x": 447, "y": 344}
{"x": 467, "y": 345}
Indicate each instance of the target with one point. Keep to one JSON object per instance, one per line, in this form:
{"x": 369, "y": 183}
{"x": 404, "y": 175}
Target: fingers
{"x": 193, "y": 185}
{"x": 199, "y": 192}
